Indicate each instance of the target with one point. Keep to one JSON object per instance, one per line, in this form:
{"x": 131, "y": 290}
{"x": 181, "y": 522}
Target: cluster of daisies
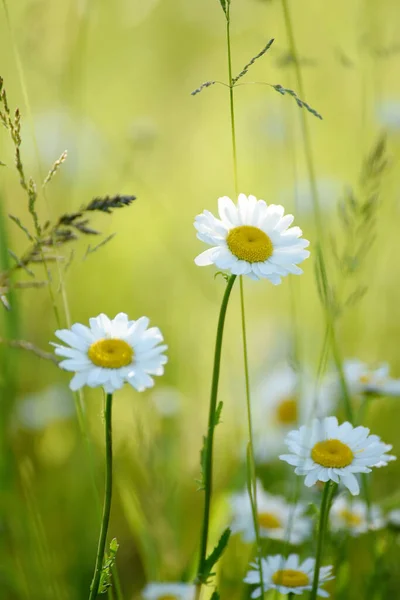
{"x": 257, "y": 240}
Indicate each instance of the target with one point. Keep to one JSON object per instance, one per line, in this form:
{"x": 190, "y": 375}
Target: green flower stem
{"x": 208, "y": 463}
{"x": 323, "y": 522}
{"x": 107, "y": 500}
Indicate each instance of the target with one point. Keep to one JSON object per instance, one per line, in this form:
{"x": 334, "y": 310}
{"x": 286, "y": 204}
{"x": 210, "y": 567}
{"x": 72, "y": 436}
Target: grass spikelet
{"x": 57, "y": 164}
{"x": 246, "y": 68}
{"x": 282, "y": 90}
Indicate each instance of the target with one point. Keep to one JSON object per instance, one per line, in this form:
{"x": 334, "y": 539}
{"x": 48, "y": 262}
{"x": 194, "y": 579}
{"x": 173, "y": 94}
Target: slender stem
{"x": 323, "y": 519}
{"x": 231, "y": 102}
{"x": 209, "y": 441}
{"x": 330, "y": 318}
{"x": 253, "y": 492}
{"x": 107, "y": 500}
{"x": 252, "y": 467}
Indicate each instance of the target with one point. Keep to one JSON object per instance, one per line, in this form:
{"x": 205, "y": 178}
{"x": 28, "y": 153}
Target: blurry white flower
{"x": 37, "y": 411}
{"x": 328, "y": 451}
{"x": 276, "y": 518}
{"x": 112, "y": 352}
{"x": 301, "y": 198}
{"x": 58, "y": 130}
{"x": 167, "y": 400}
{"x": 352, "y": 516}
{"x": 168, "y": 591}
{"x": 283, "y": 400}
{"x": 363, "y": 378}
{"x": 251, "y": 239}
{"x": 393, "y": 518}
{"x": 388, "y": 114}
{"x": 288, "y": 575}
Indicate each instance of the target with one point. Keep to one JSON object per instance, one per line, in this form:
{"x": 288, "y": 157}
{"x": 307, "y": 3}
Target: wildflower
{"x": 288, "y": 575}
{"x": 328, "y": 451}
{"x": 366, "y": 379}
{"x": 276, "y": 518}
{"x": 112, "y": 352}
{"x": 251, "y": 239}
{"x": 354, "y": 517}
{"x": 168, "y": 591}
{"x": 283, "y": 400}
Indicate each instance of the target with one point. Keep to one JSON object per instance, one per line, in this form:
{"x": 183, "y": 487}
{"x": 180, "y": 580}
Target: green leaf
{"x": 217, "y": 414}
{"x": 203, "y": 456}
{"x": 223, "y": 5}
{"x": 215, "y": 595}
{"x": 215, "y": 555}
{"x": 109, "y": 562}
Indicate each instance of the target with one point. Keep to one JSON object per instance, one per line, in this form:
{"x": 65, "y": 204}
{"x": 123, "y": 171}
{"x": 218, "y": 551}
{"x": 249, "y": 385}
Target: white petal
{"x": 205, "y": 258}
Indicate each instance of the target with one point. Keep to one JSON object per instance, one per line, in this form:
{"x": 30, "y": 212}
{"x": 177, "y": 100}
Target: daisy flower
{"x": 327, "y": 451}
{"x": 283, "y": 400}
{"x": 251, "y": 239}
{"x": 363, "y": 378}
{"x": 352, "y": 516}
{"x": 168, "y": 591}
{"x": 276, "y": 518}
{"x": 288, "y": 575}
{"x": 111, "y": 352}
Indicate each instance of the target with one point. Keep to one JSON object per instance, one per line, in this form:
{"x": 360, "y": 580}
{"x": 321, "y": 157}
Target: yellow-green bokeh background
{"x": 110, "y": 82}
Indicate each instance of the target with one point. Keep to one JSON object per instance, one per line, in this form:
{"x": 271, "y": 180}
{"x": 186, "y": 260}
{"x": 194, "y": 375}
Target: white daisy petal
{"x": 176, "y": 590}
{"x": 112, "y": 352}
{"x": 287, "y": 575}
{"x": 251, "y": 239}
{"x": 334, "y": 452}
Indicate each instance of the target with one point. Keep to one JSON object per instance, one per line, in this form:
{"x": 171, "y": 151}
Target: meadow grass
{"x": 115, "y": 91}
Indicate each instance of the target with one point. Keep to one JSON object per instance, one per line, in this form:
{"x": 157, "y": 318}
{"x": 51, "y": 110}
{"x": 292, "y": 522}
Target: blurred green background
{"x": 110, "y": 82}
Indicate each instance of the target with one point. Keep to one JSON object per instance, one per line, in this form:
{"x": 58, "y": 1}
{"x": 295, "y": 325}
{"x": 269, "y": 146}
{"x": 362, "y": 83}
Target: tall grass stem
{"x": 322, "y": 526}
{"x": 253, "y": 495}
{"x": 316, "y": 208}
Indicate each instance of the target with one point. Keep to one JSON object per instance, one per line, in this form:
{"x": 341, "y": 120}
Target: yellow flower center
{"x": 350, "y": 518}
{"x": 268, "y": 520}
{"x": 366, "y": 378}
{"x": 332, "y": 453}
{"x": 110, "y": 353}
{"x": 286, "y": 411}
{"x": 290, "y": 578}
{"x": 167, "y": 597}
{"x": 249, "y": 243}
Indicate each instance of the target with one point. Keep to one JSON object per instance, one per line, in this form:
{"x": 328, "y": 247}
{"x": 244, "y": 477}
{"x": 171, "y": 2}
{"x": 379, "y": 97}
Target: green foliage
{"x": 213, "y": 558}
{"x": 109, "y": 562}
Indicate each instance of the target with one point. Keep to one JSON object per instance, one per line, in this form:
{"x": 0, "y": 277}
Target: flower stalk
{"x": 329, "y": 489}
{"x": 209, "y": 440}
{"x": 107, "y": 500}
